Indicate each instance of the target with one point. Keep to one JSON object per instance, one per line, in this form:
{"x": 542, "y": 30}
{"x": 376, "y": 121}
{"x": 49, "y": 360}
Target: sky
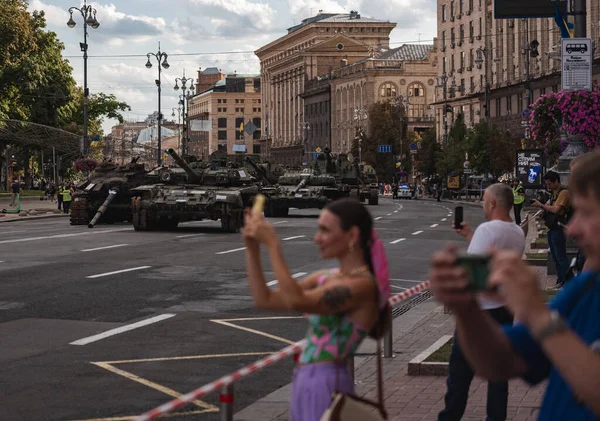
{"x": 199, "y": 33}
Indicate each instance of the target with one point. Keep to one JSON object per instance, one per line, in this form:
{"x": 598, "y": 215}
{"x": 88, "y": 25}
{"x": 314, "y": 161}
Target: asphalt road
{"x": 61, "y": 285}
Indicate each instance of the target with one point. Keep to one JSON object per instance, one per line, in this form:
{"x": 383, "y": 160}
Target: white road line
{"x": 417, "y": 232}
{"x": 448, "y": 216}
{"x": 395, "y": 211}
{"x": 107, "y": 247}
{"x": 398, "y": 241}
{"x": 389, "y": 214}
{"x": 434, "y": 225}
{"x": 189, "y": 235}
{"x": 293, "y": 238}
{"x": 231, "y": 251}
{"x": 406, "y": 280}
{"x": 295, "y": 275}
{"x": 279, "y": 222}
{"x": 444, "y": 219}
{"x": 13, "y": 232}
{"x": 91, "y": 232}
{"x": 100, "y": 275}
{"x": 1, "y": 261}
{"x": 394, "y": 286}
{"x": 122, "y": 329}
{"x": 378, "y": 218}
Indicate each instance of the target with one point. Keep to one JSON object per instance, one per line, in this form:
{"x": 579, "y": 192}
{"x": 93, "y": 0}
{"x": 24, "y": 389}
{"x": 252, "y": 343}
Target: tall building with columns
{"x": 477, "y": 51}
{"x": 315, "y": 47}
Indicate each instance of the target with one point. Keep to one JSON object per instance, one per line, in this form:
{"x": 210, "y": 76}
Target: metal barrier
{"x": 225, "y": 383}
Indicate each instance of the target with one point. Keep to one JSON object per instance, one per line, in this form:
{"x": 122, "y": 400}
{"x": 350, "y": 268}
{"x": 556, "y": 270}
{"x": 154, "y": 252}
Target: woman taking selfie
{"x": 343, "y": 305}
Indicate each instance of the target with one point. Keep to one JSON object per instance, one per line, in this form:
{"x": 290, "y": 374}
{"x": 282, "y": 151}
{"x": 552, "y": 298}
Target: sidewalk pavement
{"x": 33, "y": 209}
{"x": 411, "y": 398}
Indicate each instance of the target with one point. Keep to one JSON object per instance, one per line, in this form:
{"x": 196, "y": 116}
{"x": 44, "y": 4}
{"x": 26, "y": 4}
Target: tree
{"x": 387, "y": 126}
{"x": 491, "y": 151}
{"x": 429, "y": 154}
{"x": 452, "y": 155}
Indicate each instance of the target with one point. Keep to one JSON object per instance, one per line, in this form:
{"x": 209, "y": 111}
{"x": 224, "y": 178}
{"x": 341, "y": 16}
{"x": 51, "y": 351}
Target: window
{"x": 237, "y": 101}
{"x": 222, "y": 135}
{"x": 471, "y": 30}
{"x": 222, "y": 123}
{"x": 444, "y": 17}
{"x": 452, "y": 8}
{"x": 241, "y": 101}
{"x": 218, "y": 110}
{"x": 452, "y": 37}
{"x": 462, "y": 59}
{"x": 520, "y": 102}
{"x": 461, "y": 5}
{"x": 443, "y": 38}
{"x": 462, "y": 33}
{"x": 218, "y": 101}
{"x": 388, "y": 90}
{"x": 256, "y": 149}
{"x": 256, "y": 135}
{"x": 472, "y": 85}
{"x": 224, "y": 101}
{"x": 471, "y": 58}
{"x": 480, "y": 24}
{"x": 416, "y": 90}
{"x": 470, "y": 5}
{"x": 257, "y": 122}
{"x": 452, "y": 68}
{"x": 498, "y": 107}
{"x": 224, "y": 110}
{"x": 444, "y": 64}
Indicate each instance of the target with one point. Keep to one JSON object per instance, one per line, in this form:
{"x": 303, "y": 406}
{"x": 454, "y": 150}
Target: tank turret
{"x": 193, "y": 175}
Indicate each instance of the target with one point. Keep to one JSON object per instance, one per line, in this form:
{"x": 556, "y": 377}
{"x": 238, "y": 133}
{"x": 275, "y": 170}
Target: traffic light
{"x": 533, "y": 48}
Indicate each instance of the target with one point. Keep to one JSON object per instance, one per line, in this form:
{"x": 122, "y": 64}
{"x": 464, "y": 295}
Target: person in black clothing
{"x": 15, "y": 189}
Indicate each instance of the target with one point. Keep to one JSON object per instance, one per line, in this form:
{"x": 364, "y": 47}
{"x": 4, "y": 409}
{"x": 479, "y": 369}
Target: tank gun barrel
{"x": 102, "y": 210}
{"x": 301, "y": 184}
{"x": 261, "y": 172}
{"x": 183, "y": 164}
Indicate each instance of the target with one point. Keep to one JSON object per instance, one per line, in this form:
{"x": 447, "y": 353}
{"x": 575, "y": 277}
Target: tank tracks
{"x": 79, "y": 213}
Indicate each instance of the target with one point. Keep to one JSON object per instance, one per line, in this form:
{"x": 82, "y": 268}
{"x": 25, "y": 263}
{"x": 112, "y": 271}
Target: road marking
{"x": 122, "y": 329}
{"x": 189, "y": 235}
{"x": 192, "y": 357}
{"x": 13, "y": 232}
{"x": 389, "y": 214}
{"x": 107, "y": 247}
{"x": 378, "y": 218}
{"x": 417, "y": 232}
{"x": 231, "y": 251}
{"x": 395, "y": 211}
{"x": 152, "y": 385}
{"x": 398, "y": 241}
{"x": 1, "y": 261}
{"x": 279, "y": 222}
{"x": 91, "y": 232}
{"x": 394, "y": 286}
{"x": 100, "y": 275}
{"x": 247, "y": 319}
{"x": 444, "y": 219}
{"x": 406, "y": 280}
{"x": 257, "y": 332}
{"x": 434, "y": 225}
{"x": 171, "y": 415}
{"x": 293, "y": 238}
{"x": 448, "y": 216}
{"x": 295, "y": 275}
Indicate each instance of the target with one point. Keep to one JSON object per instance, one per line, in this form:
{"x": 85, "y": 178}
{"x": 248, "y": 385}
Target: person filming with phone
{"x": 501, "y": 233}
{"x": 559, "y": 341}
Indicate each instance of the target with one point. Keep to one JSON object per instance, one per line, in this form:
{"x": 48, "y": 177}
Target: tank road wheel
{"x": 281, "y": 212}
{"x": 232, "y": 221}
{"x": 79, "y": 214}
{"x": 373, "y": 200}
{"x": 269, "y": 212}
{"x": 137, "y": 221}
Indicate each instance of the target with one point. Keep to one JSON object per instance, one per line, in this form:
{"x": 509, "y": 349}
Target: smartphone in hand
{"x": 458, "y": 217}
{"x": 477, "y": 268}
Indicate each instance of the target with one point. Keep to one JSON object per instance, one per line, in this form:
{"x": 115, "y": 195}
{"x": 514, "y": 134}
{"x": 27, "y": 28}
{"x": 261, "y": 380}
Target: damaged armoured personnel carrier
{"x": 192, "y": 193}
{"x": 310, "y": 188}
{"x": 105, "y": 196}
{"x": 361, "y": 178}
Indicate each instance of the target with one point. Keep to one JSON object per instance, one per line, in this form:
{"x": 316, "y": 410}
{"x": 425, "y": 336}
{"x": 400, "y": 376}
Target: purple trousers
{"x": 313, "y": 386}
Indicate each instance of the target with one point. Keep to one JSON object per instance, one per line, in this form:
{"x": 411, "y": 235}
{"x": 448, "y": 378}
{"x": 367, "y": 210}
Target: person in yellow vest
{"x": 67, "y": 198}
{"x": 519, "y": 199}
{"x": 59, "y": 195}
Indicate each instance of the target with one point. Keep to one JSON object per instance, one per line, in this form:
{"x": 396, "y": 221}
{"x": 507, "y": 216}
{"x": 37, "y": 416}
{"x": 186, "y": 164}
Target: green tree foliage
{"x": 387, "y": 126}
{"x": 429, "y": 154}
{"x": 451, "y": 156}
{"x": 491, "y": 151}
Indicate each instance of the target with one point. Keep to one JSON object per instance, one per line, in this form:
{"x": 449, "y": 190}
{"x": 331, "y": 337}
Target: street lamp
{"x": 306, "y": 127}
{"x": 443, "y": 83}
{"x": 360, "y": 114}
{"x": 89, "y": 19}
{"x": 161, "y": 58}
{"x": 482, "y": 56}
{"x": 184, "y": 88}
{"x": 178, "y": 124}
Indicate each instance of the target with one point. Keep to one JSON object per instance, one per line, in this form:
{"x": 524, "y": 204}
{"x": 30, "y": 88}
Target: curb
{"x": 419, "y": 367}
{"x": 32, "y": 218}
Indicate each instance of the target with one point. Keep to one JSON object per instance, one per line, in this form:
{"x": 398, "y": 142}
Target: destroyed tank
{"x": 361, "y": 178}
{"x": 192, "y": 193}
{"x": 310, "y": 188}
{"x": 266, "y": 174}
{"x": 105, "y": 197}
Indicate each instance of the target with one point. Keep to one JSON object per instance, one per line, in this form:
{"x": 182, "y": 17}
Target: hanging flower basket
{"x": 85, "y": 165}
{"x": 575, "y": 113}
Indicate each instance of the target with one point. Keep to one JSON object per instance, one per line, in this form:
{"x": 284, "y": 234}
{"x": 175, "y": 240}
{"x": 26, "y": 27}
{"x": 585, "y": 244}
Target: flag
{"x": 201, "y": 125}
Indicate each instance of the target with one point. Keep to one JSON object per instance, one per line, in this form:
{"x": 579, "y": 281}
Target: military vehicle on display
{"x": 309, "y": 188}
{"x": 361, "y": 178}
{"x": 105, "y": 196}
{"x": 192, "y": 192}
{"x": 266, "y": 173}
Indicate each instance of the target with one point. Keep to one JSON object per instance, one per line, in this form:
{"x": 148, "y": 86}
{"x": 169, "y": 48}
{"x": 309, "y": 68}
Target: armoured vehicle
{"x": 360, "y": 177}
{"x": 266, "y": 173}
{"x": 106, "y": 195}
{"x": 312, "y": 187}
{"x": 192, "y": 193}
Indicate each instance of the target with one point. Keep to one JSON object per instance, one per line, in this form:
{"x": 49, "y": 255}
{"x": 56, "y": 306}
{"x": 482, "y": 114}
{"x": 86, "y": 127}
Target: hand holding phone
{"x": 477, "y": 268}
{"x": 458, "y": 217}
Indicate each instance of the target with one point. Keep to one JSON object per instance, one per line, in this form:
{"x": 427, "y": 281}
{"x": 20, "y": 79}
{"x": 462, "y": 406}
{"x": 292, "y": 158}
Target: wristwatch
{"x": 555, "y": 325}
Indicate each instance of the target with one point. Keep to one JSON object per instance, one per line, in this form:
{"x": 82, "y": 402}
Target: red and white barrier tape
{"x": 254, "y": 367}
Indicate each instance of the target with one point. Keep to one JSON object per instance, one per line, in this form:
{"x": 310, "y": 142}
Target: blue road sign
{"x": 384, "y": 148}
{"x": 525, "y": 113}
{"x": 413, "y": 146}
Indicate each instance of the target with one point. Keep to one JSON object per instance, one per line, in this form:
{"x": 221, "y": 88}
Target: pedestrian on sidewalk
{"x": 519, "y": 194}
{"x": 501, "y": 233}
{"x": 67, "y": 198}
{"x": 59, "y": 195}
{"x": 560, "y": 341}
{"x": 556, "y": 214}
{"x": 16, "y": 190}
{"x": 343, "y": 305}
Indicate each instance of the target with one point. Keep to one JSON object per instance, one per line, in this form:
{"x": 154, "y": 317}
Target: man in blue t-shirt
{"x": 559, "y": 342}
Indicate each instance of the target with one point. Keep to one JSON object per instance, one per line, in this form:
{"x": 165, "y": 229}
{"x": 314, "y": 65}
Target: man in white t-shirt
{"x": 499, "y": 232}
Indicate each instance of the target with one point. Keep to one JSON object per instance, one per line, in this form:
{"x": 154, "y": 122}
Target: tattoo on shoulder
{"x": 336, "y": 297}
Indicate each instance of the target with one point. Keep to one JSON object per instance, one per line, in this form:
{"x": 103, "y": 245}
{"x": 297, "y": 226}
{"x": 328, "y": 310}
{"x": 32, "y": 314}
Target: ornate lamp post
{"x": 184, "y": 88}
{"x": 482, "y": 56}
{"x": 89, "y": 19}
{"x": 179, "y": 124}
{"x": 161, "y": 58}
{"x": 360, "y": 114}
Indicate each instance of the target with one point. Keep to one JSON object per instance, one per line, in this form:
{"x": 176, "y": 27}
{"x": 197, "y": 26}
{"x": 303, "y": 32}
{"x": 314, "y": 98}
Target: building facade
{"x": 207, "y": 78}
{"x": 230, "y": 105}
{"x": 315, "y": 47}
{"x": 476, "y": 51}
{"x": 317, "y": 118}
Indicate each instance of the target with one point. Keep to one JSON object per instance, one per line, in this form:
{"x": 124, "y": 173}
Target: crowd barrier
{"x": 225, "y": 383}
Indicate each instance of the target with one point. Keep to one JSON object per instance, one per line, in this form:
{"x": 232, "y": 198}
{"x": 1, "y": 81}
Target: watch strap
{"x": 555, "y": 325}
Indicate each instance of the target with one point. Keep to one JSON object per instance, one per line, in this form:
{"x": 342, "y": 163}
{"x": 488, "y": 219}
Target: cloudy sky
{"x": 199, "y": 33}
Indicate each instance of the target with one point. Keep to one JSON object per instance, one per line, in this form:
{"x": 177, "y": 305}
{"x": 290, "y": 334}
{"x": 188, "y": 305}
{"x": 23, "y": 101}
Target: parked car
{"x": 404, "y": 192}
